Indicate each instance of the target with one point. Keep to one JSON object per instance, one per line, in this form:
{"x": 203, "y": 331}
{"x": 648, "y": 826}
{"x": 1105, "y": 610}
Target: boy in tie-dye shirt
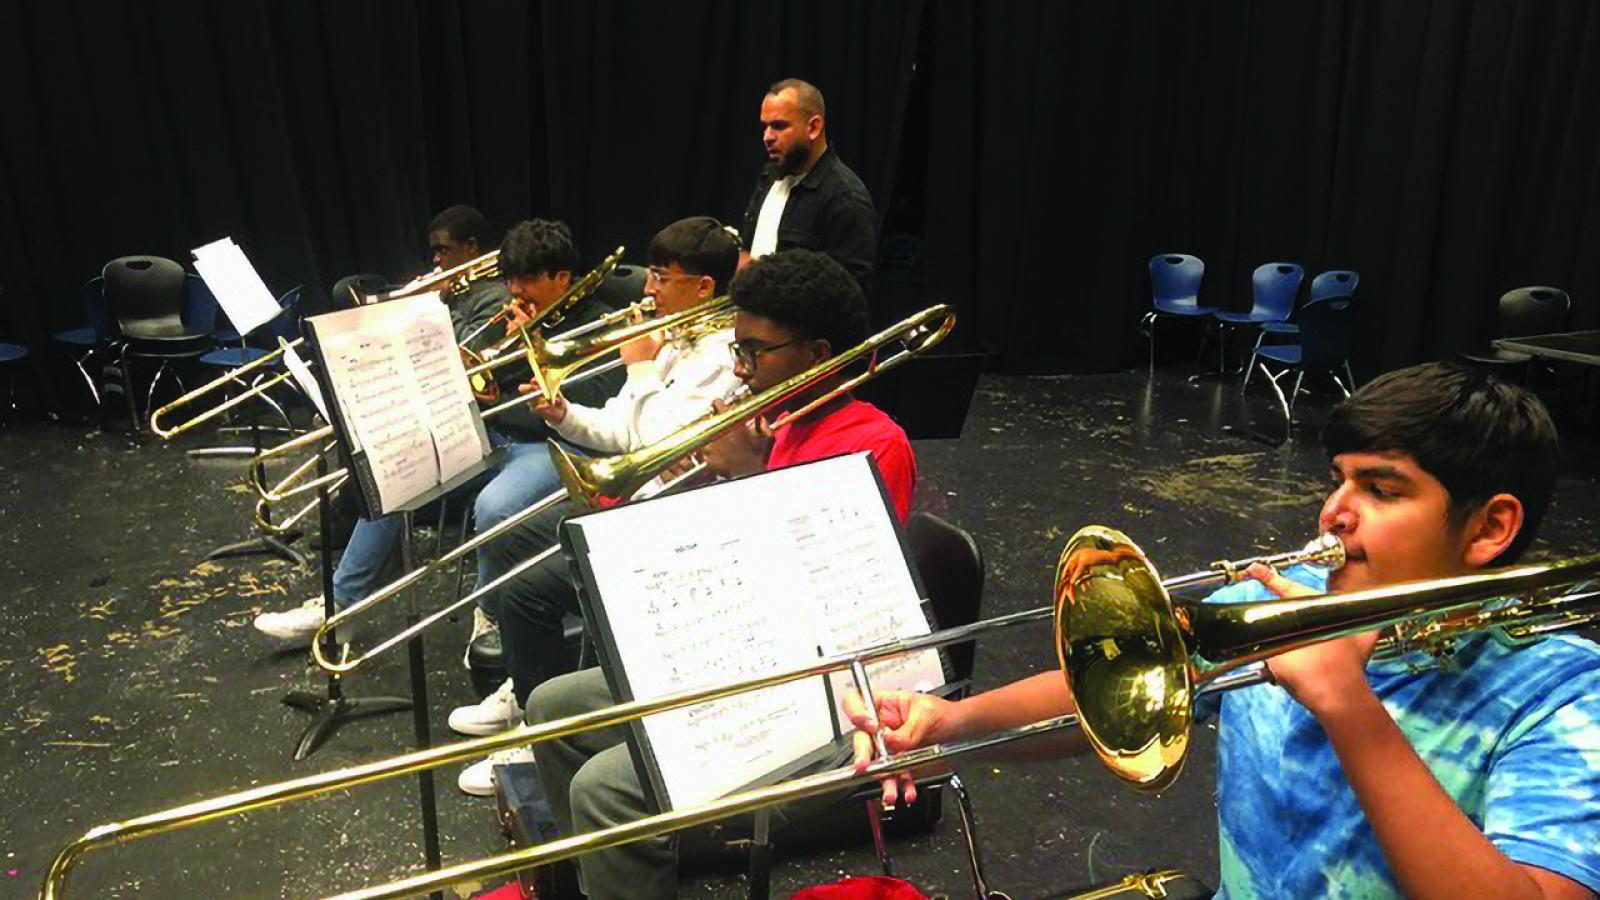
{"x": 1475, "y": 775}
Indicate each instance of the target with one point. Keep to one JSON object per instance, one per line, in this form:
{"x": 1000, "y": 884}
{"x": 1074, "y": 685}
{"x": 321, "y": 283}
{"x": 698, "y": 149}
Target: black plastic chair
{"x": 346, "y": 289}
{"x": 1524, "y": 312}
{"x": 163, "y": 314}
{"x": 624, "y": 286}
{"x": 950, "y": 565}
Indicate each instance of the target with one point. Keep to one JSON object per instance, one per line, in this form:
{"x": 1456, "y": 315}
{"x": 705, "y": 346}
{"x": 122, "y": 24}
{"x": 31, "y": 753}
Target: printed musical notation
{"x": 402, "y": 390}
{"x": 741, "y": 580}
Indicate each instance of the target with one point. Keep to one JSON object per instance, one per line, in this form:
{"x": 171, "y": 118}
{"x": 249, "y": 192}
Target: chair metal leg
{"x": 82, "y": 363}
{"x": 127, "y": 390}
{"x": 969, "y": 831}
{"x": 1283, "y": 402}
{"x": 1149, "y": 323}
{"x": 1298, "y": 378}
{"x": 1350, "y": 378}
{"x": 1255, "y": 353}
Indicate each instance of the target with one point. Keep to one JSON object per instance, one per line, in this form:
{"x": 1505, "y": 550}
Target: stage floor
{"x": 135, "y": 682}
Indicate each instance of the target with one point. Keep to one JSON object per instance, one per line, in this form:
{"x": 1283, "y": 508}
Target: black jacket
{"x": 828, "y": 210}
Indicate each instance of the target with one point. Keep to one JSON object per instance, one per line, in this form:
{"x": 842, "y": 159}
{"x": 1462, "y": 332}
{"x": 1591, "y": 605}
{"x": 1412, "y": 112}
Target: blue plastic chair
{"x": 1338, "y": 285}
{"x": 286, "y": 324}
{"x": 1273, "y": 288}
{"x": 1175, "y": 291}
{"x": 83, "y": 344}
{"x": 1323, "y": 347}
{"x": 11, "y": 357}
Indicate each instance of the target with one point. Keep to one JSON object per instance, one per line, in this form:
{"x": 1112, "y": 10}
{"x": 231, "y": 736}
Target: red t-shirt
{"x": 853, "y": 427}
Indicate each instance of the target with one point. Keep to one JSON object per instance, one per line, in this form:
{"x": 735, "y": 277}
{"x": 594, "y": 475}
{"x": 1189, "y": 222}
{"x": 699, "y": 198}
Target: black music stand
{"x": 333, "y": 710}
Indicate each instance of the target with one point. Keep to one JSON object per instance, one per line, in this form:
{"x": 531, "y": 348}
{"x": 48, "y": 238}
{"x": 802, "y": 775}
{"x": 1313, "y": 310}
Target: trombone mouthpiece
{"x": 1325, "y": 550}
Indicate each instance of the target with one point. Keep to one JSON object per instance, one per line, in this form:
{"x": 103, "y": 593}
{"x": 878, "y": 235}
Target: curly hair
{"x": 806, "y": 293}
{"x": 463, "y": 223}
{"x": 538, "y": 247}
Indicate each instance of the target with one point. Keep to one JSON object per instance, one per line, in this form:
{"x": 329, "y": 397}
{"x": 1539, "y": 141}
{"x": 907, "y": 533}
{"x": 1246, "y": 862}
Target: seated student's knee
{"x": 566, "y": 695}
{"x": 492, "y": 506}
{"x": 606, "y": 792}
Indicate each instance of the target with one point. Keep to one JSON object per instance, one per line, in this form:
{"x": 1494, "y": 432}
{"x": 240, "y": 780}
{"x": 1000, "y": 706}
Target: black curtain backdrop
{"x": 1447, "y": 151}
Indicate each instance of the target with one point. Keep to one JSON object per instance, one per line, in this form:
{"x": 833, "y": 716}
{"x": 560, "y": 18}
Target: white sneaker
{"x": 478, "y": 778}
{"x": 481, "y": 625}
{"x": 297, "y": 624}
{"x": 497, "y": 712}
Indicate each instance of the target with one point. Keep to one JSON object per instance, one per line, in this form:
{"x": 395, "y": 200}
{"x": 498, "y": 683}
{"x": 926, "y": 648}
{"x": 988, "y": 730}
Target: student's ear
{"x": 706, "y": 287}
{"x": 472, "y": 248}
{"x": 564, "y": 279}
{"x": 820, "y": 350}
{"x": 1492, "y": 529}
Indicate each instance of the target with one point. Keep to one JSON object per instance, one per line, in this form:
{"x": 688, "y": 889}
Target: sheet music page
{"x": 442, "y": 389}
{"x": 372, "y": 379}
{"x": 239, "y": 290}
{"x": 746, "y": 578}
{"x": 856, "y": 571}
{"x": 671, "y": 641}
{"x": 302, "y": 376}
{"x": 399, "y": 382}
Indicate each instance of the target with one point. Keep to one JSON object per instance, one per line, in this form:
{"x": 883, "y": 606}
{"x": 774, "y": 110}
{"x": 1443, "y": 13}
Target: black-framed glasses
{"x": 747, "y": 354}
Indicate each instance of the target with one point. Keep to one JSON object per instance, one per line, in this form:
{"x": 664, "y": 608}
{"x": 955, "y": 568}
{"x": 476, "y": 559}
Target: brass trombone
{"x": 622, "y": 476}
{"x": 1105, "y": 575}
{"x": 451, "y": 282}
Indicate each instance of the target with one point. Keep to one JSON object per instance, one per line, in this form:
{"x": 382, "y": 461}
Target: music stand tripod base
{"x": 328, "y": 713}
{"x": 266, "y": 544}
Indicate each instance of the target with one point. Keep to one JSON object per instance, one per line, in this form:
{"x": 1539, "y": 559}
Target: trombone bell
{"x": 1124, "y": 657}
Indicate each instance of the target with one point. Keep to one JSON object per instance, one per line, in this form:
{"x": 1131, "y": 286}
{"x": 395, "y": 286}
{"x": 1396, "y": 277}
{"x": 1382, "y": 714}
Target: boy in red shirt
{"x": 796, "y": 309}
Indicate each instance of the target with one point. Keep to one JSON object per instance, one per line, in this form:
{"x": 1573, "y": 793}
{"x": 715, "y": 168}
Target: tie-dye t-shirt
{"x": 1511, "y": 733}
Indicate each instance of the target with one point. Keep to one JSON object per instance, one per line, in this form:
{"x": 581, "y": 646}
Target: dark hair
{"x": 700, "y": 246}
{"x": 538, "y": 247}
{"x": 806, "y": 293}
{"x": 463, "y": 223}
{"x": 807, "y": 97}
{"x": 1475, "y": 433}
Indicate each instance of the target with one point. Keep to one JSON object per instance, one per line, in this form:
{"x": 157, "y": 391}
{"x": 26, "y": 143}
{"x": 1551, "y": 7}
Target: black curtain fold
{"x": 1441, "y": 149}
{"x": 1448, "y": 151}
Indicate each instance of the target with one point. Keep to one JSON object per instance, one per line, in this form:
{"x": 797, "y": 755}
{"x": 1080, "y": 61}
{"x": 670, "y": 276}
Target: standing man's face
{"x": 449, "y": 252}
{"x": 787, "y": 132}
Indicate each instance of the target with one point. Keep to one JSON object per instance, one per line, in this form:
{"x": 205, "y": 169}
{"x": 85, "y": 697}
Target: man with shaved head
{"x": 806, "y": 196}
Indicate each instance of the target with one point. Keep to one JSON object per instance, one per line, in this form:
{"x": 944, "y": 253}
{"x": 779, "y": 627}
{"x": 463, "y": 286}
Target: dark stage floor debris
{"x": 134, "y": 681}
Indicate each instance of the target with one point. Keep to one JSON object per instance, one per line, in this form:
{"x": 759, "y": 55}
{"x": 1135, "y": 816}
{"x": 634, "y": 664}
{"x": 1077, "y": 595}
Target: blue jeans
{"x": 527, "y": 476}
{"x": 374, "y": 542}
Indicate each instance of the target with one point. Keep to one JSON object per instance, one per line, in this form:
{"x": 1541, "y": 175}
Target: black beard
{"x": 790, "y": 163}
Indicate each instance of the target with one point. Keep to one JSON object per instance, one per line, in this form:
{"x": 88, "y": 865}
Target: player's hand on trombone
{"x": 552, "y": 411}
{"x": 1324, "y": 677}
{"x": 518, "y": 314}
{"x": 908, "y": 720}
{"x": 741, "y": 450}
